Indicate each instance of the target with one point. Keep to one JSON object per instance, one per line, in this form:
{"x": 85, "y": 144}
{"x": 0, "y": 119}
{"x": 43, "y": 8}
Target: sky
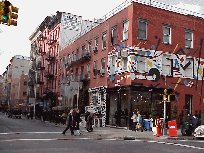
{"x": 14, "y": 40}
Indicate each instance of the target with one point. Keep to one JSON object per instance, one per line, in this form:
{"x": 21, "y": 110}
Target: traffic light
{"x": 6, "y": 13}
{"x": 12, "y": 16}
{"x": 171, "y": 97}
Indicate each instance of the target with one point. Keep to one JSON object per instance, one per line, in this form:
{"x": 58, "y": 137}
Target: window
{"x": 125, "y": 29}
{"x": 64, "y": 60}
{"x": 124, "y": 63}
{"x": 95, "y": 68}
{"x": 25, "y": 83}
{"x": 67, "y": 59}
{"x": 82, "y": 72}
{"x": 113, "y": 35}
{"x": 103, "y": 60}
{"x": 77, "y": 54}
{"x": 141, "y": 64}
{"x": 189, "y": 38}
{"x": 89, "y": 45}
{"x": 24, "y": 93}
{"x": 166, "y": 34}
{"x": 88, "y": 70}
{"x": 96, "y": 41}
{"x": 166, "y": 65}
{"x": 83, "y": 50}
{"x": 72, "y": 58}
{"x": 60, "y": 63}
{"x": 22, "y": 72}
{"x": 104, "y": 40}
{"x": 76, "y": 75}
{"x": 189, "y": 70}
{"x": 113, "y": 64}
{"x": 142, "y": 28}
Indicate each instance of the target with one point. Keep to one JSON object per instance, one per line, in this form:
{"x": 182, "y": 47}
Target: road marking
{"x": 152, "y": 141}
{"x": 27, "y": 132}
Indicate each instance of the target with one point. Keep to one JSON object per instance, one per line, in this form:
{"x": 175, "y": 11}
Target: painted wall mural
{"x": 150, "y": 64}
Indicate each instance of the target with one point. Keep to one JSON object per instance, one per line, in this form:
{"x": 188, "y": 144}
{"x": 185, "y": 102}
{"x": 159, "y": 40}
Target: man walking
{"x": 77, "y": 120}
{"x": 70, "y": 123}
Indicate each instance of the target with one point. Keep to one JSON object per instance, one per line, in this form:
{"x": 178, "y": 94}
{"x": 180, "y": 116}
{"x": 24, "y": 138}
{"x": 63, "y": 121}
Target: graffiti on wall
{"x": 98, "y": 102}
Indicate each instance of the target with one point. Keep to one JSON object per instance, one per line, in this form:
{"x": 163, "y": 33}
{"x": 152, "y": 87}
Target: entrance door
{"x": 188, "y": 104}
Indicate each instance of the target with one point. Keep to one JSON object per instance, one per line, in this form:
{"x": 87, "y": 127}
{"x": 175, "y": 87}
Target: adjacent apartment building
{"x": 125, "y": 61}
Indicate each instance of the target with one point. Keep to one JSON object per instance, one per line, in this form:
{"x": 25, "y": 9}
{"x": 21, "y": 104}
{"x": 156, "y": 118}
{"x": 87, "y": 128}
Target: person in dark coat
{"x": 86, "y": 116}
{"x": 89, "y": 124}
{"x": 77, "y": 121}
{"x": 70, "y": 123}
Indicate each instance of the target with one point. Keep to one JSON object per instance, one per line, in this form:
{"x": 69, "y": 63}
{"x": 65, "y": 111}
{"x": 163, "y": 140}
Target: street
{"x": 22, "y": 135}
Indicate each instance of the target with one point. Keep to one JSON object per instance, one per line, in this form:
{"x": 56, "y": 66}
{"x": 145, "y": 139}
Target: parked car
{"x": 15, "y": 112}
{"x": 199, "y": 132}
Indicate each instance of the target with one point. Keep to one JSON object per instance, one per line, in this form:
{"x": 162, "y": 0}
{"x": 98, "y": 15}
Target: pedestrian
{"x": 77, "y": 121}
{"x": 70, "y": 123}
{"x": 134, "y": 118}
{"x": 89, "y": 124}
{"x": 139, "y": 120}
{"x": 86, "y": 117}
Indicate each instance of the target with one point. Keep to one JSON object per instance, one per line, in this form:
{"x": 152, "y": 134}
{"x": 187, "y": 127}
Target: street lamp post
{"x": 164, "y": 120}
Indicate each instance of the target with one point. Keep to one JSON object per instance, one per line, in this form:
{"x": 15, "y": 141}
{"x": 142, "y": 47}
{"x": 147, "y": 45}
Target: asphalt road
{"x": 23, "y": 136}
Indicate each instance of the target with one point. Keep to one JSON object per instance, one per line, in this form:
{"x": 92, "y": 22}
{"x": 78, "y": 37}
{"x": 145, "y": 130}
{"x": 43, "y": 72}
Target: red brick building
{"x": 127, "y": 61}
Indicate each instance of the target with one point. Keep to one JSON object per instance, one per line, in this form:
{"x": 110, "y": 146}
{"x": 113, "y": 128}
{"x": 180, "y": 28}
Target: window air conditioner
{"x": 124, "y": 53}
{"x": 95, "y": 48}
{"x": 102, "y": 71}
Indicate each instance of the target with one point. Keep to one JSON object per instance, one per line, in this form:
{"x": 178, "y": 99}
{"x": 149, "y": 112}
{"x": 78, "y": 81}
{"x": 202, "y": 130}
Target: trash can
{"x": 146, "y": 124}
{"x": 186, "y": 128}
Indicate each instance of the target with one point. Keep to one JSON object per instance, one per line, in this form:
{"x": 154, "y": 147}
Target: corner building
{"x": 133, "y": 54}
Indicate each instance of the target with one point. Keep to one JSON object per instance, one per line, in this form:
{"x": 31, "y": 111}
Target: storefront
{"x": 123, "y": 101}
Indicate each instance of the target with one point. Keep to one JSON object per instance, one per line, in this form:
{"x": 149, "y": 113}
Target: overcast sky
{"x": 14, "y": 40}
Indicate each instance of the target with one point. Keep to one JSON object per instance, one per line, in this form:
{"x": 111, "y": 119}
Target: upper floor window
{"x": 189, "y": 70}
{"x": 125, "y": 29}
{"x": 103, "y": 60}
{"x": 166, "y": 34}
{"x": 64, "y": 60}
{"x": 104, "y": 40}
{"x": 113, "y": 35}
{"x": 113, "y": 62}
{"x": 89, "y": 45}
{"x": 95, "y": 68}
{"x": 124, "y": 63}
{"x": 25, "y": 83}
{"x": 96, "y": 41}
{"x": 72, "y": 58}
{"x": 166, "y": 65}
{"x": 83, "y": 50}
{"x": 77, "y": 54}
{"x": 88, "y": 70}
{"x": 142, "y": 28}
{"x": 189, "y": 38}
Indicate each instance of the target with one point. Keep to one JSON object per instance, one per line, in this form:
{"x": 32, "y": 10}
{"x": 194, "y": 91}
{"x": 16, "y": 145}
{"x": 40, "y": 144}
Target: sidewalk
{"x": 125, "y": 134}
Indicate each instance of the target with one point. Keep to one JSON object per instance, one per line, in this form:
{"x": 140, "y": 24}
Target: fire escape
{"x": 49, "y": 90}
{"x": 40, "y": 69}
